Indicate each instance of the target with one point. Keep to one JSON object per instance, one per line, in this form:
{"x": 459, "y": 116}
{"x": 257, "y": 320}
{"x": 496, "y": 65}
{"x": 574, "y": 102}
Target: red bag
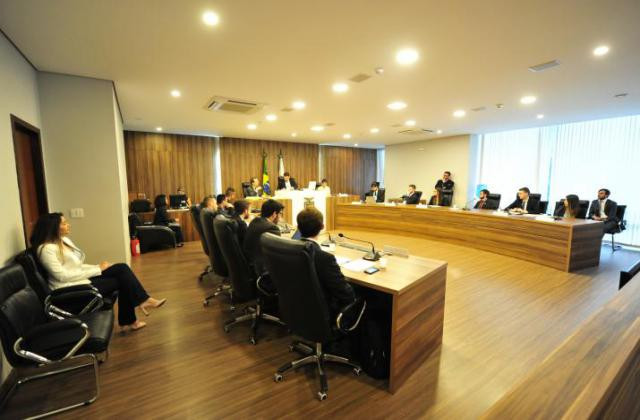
{"x": 135, "y": 247}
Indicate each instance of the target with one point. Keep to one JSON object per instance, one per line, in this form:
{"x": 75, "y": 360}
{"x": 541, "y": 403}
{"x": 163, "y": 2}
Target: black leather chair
{"x": 218, "y": 264}
{"x": 140, "y": 206}
{"x": 195, "y": 215}
{"x": 582, "y": 213}
{"x": 446, "y": 197}
{"x": 29, "y": 339}
{"x": 64, "y": 302}
{"x": 621, "y": 225}
{"x": 244, "y": 283}
{"x": 627, "y": 275}
{"x": 245, "y": 189}
{"x": 493, "y": 201}
{"x": 543, "y": 206}
{"x": 303, "y": 307}
{"x": 150, "y": 236}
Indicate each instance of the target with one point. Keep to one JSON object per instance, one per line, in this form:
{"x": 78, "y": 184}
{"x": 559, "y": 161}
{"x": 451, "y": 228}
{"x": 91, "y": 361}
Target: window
{"x": 577, "y": 158}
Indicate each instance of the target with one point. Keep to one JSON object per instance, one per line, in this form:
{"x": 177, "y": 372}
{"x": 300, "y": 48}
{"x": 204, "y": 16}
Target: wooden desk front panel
{"x": 547, "y": 243}
{"x": 183, "y": 216}
{"x": 332, "y": 201}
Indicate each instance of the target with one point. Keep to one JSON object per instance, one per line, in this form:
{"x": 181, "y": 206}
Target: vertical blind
{"x": 577, "y": 158}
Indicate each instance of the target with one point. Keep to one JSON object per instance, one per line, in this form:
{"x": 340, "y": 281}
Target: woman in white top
{"x": 65, "y": 264}
{"x": 324, "y": 186}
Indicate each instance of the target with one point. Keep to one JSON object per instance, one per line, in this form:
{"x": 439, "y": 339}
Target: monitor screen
{"x": 177, "y": 200}
{"x": 297, "y": 235}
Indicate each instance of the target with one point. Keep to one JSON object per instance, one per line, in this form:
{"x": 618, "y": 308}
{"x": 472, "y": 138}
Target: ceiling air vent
{"x": 239, "y": 106}
{"x": 544, "y": 66}
{"x": 415, "y": 132}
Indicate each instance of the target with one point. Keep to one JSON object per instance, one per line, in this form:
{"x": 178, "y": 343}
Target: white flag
{"x": 280, "y": 165}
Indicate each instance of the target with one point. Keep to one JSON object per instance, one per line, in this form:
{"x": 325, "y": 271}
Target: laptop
{"x": 370, "y": 199}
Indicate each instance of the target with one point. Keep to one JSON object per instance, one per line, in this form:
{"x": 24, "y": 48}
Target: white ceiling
{"x": 473, "y": 53}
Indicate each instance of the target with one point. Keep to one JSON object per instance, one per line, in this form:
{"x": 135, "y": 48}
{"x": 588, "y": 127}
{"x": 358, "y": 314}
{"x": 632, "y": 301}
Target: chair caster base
{"x": 205, "y": 303}
{"x": 253, "y": 341}
{"x": 322, "y": 396}
{"x": 357, "y": 371}
{"x": 278, "y": 378}
{"x": 226, "y": 329}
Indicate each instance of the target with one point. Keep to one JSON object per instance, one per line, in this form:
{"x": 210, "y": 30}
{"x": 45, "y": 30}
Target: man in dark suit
{"x": 337, "y": 291}
{"x": 241, "y": 217}
{"x": 446, "y": 183}
{"x": 523, "y": 204}
{"x": 287, "y": 183}
{"x": 604, "y": 210}
{"x": 483, "y": 201}
{"x": 254, "y": 189}
{"x": 375, "y": 192}
{"x": 412, "y": 196}
{"x": 267, "y": 222}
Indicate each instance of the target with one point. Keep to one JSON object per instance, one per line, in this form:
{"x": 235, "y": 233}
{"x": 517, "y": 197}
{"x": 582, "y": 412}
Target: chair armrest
{"x": 58, "y": 304}
{"x": 43, "y": 333}
{"x": 260, "y": 286}
{"x": 348, "y": 308}
{"x": 63, "y": 290}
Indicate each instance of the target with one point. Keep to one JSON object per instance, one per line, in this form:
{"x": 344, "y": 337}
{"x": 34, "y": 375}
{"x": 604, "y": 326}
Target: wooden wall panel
{"x": 158, "y": 163}
{"x": 241, "y": 159}
{"x": 349, "y": 170}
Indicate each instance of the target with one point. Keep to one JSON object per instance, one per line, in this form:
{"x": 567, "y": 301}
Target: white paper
{"x": 358, "y": 265}
{"x": 342, "y": 260}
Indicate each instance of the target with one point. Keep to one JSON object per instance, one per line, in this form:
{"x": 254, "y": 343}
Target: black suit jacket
{"x": 251, "y": 246}
{"x": 486, "y": 204}
{"x": 610, "y": 209}
{"x": 282, "y": 185}
{"x": 337, "y": 291}
{"x": 442, "y": 185}
{"x": 380, "y": 198}
{"x": 411, "y": 199}
{"x": 250, "y": 192}
{"x": 533, "y": 205}
{"x": 161, "y": 217}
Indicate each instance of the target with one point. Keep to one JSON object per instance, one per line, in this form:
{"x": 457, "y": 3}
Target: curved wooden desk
{"x": 567, "y": 245}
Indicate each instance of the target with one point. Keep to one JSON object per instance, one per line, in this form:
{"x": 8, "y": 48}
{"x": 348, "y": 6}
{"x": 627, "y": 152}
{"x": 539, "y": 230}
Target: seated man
{"x": 241, "y": 217}
{"x": 523, "y": 204}
{"x": 604, "y": 210}
{"x": 484, "y": 198}
{"x": 287, "y": 183}
{"x": 230, "y": 193}
{"x": 223, "y": 206}
{"x": 324, "y": 186}
{"x": 254, "y": 190}
{"x": 267, "y": 222}
{"x": 182, "y": 191}
{"x": 209, "y": 203}
{"x": 337, "y": 291}
{"x": 375, "y": 192}
{"x": 411, "y": 197}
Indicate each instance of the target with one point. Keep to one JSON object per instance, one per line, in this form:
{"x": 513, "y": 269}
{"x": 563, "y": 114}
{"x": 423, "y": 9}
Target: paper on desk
{"x": 342, "y": 260}
{"x": 358, "y": 265}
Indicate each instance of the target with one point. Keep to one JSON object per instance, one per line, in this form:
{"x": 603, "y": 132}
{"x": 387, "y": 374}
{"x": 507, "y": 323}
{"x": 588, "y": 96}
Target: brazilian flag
{"x": 266, "y": 188}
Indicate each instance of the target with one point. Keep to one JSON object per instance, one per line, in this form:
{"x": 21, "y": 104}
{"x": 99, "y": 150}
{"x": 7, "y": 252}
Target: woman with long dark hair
{"x": 570, "y": 208}
{"x": 65, "y": 264}
{"x": 161, "y": 217}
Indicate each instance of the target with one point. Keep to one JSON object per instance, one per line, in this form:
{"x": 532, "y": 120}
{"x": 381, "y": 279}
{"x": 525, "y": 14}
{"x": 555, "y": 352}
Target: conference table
{"x": 416, "y": 287}
{"x": 564, "y": 244}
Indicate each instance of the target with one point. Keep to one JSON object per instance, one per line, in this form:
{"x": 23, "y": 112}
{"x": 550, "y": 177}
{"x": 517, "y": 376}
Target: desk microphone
{"x": 369, "y": 256}
{"x": 329, "y": 241}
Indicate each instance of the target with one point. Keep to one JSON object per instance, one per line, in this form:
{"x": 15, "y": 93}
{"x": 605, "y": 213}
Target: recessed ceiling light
{"x": 317, "y": 128}
{"x": 374, "y": 130}
{"x": 397, "y": 105}
{"x": 252, "y": 126}
{"x": 298, "y": 105}
{"x": 379, "y": 70}
{"x": 271, "y": 117}
{"x": 407, "y": 56}
{"x": 601, "y": 50}
{"x": 294, "y": 134}
{"x": 158, "y": 128}
{"x": 210, "y": 18}
{"x": 540, "y": 116}
{"x": 346, "y": 136}
{"x": 175, "y": 93}
{"x": 528, "y": 100}
{"x": 459, "y": 113}
{"x": 499, "y": 106}
{"x": 355, "y": 144}
{"x": 340, "y": 87}
{"x": 410, "y": 123}
{"x": 439, "y": 132}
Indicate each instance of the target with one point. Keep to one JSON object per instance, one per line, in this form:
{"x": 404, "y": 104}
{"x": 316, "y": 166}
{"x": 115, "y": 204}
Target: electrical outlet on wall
{"x": 77, "y": 213}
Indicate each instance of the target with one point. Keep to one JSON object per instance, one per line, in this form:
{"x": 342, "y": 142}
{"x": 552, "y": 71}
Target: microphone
{"x": 328, "y": 242}
{"x": 369, "y": 256}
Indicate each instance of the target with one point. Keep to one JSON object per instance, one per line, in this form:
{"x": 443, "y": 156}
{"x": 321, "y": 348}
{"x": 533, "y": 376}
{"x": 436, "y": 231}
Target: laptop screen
{"x": 297, "y": 235}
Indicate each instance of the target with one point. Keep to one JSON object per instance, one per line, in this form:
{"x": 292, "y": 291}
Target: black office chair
{"x": 303, "y": 307}
{"x": 559, "y": 205}
{"x": 154, "y": 237}
{"x": 446, "y": 198}
{"x": 493, "y": 201}
{"x": 218, "y": 264}
{"x": 245, "y": 285}
{"x": 64, "y": 302}
{"x": 584, "y": 208}
{"x": 140, "y": 206}
{"x": 621, "y": 225}
{"x": 29, "y": 339}
{"x": 246, "y": 186}
{"x": 543, "y": 206}
{"x": 626, "y": 276}
{"x": 195, "y": 215}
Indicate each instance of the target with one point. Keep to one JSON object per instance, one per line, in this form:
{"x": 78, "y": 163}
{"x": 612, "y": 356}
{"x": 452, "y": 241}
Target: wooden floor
{"x": 503, "y": 316}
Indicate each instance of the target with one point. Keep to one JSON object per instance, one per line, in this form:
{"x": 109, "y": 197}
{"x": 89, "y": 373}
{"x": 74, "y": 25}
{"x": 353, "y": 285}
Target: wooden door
{"x": 30, "y": 170}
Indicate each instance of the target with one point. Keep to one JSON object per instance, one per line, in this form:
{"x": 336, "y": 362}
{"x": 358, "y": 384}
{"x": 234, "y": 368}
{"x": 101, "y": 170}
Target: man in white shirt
{"x": 604, "y": 209}
{"x": 287, "y": 183}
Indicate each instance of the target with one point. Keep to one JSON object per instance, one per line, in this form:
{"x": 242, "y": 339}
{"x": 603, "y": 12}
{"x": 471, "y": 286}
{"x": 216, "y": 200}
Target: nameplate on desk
{"x": 398, "y": 252}
{"x": 422, "y": 206}
{"x": 356, "y": 203}
{"x": 544, "y": 218}
{"x": 389, "y": 204}
{"x": 500, "y": 213}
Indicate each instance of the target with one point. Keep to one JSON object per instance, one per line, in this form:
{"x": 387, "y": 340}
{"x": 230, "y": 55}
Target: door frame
{"x": 17, "y": 123}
